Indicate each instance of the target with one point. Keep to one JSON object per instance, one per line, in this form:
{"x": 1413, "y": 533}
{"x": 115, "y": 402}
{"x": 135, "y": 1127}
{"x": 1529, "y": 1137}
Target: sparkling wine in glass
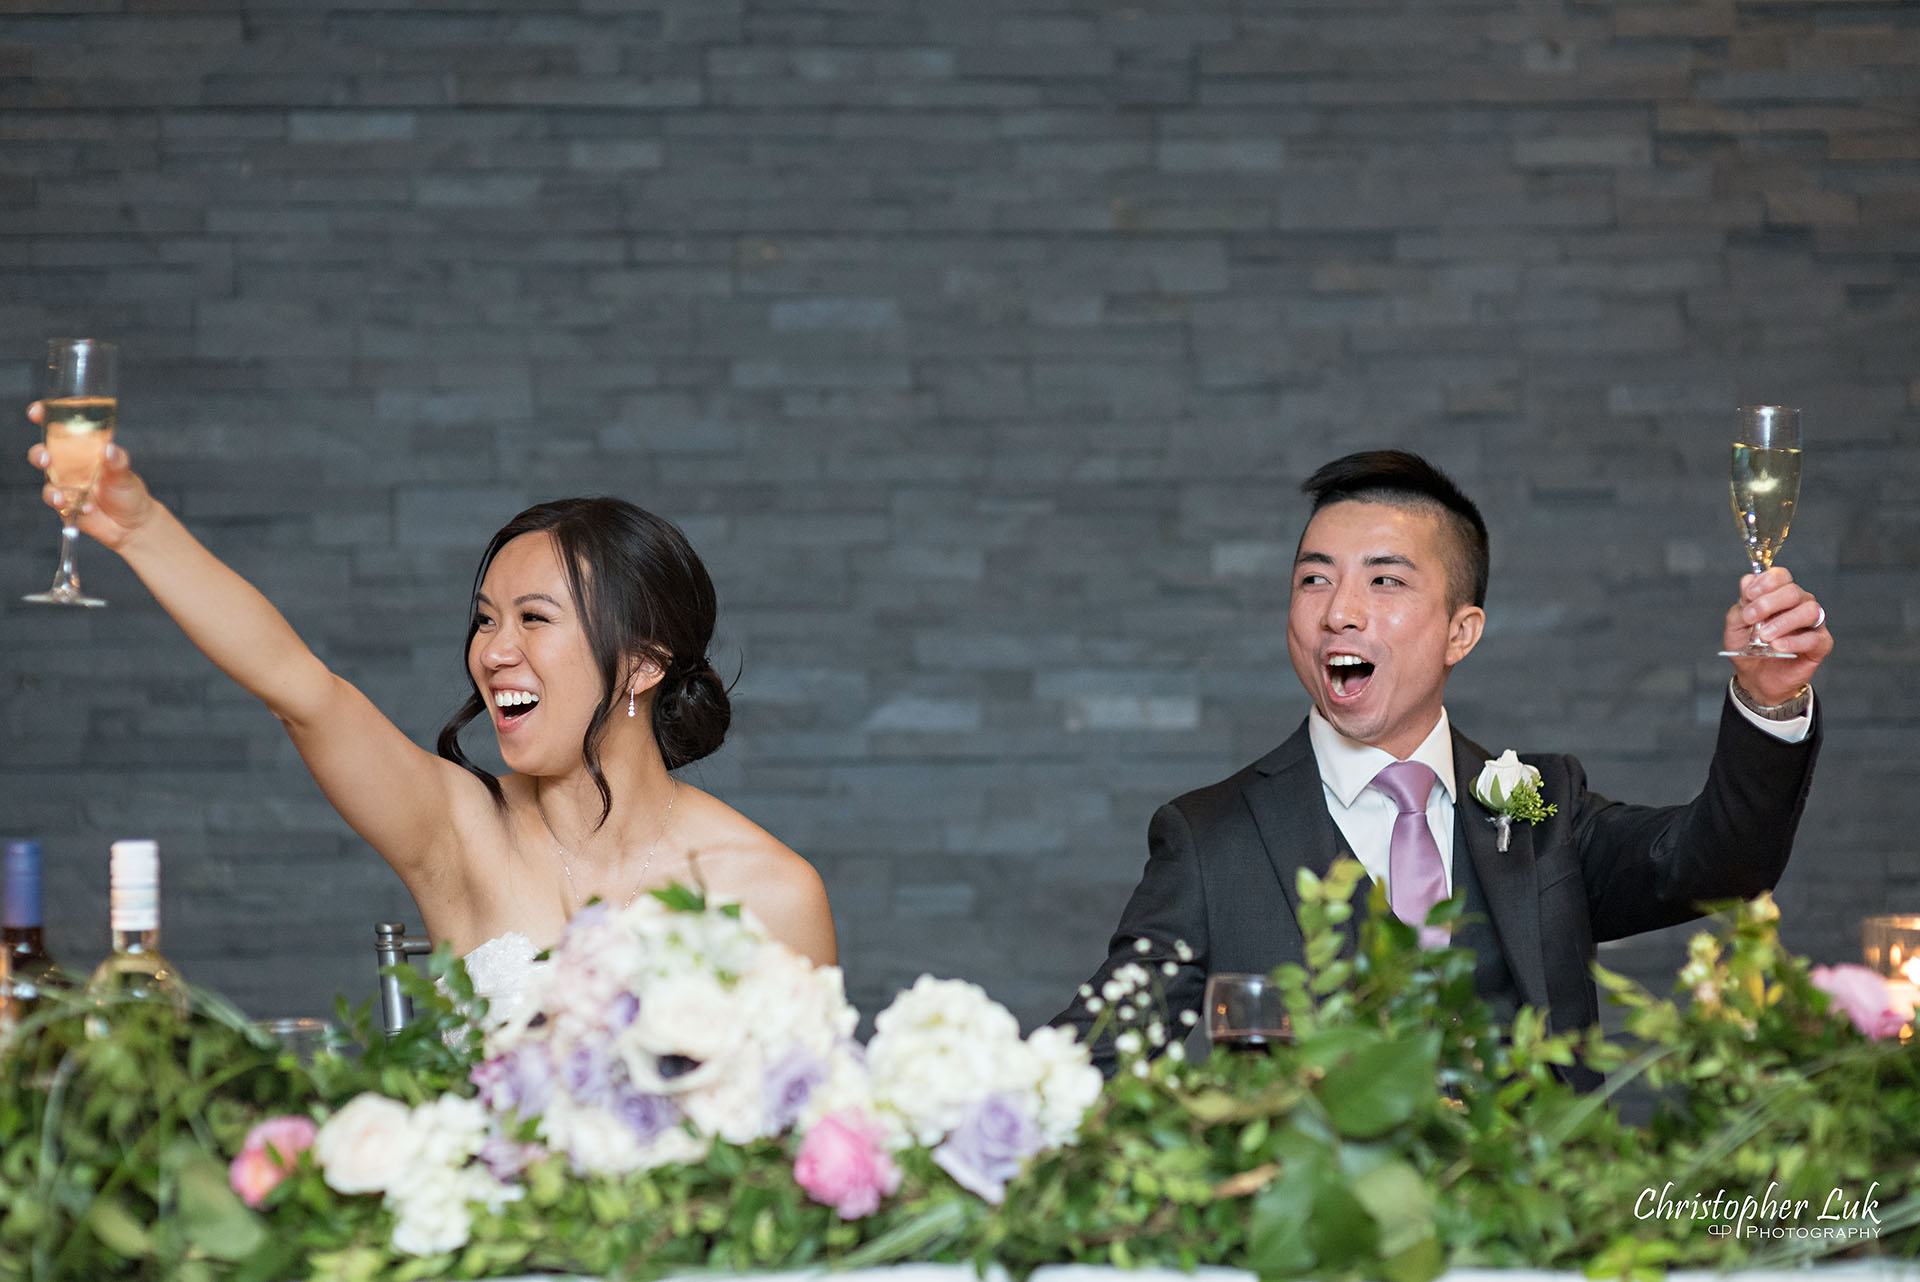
{"x": 78, "y": 408}
{"x": 1244, "y": 1012}
{"x": 1766, "y": 486}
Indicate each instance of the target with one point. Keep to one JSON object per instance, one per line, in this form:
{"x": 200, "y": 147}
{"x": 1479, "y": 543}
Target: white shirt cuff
{"x": 1786, "y": 731}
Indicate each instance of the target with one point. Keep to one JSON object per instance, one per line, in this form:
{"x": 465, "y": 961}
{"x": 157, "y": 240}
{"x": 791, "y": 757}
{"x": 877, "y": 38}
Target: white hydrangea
{"x": 943, "y": 1045}
{"x": 940, "y": 1046}
{"x": 1069, "y": 1083}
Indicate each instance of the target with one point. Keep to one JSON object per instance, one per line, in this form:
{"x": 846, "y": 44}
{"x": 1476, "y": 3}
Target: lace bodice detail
{"x": 502, "y": 970}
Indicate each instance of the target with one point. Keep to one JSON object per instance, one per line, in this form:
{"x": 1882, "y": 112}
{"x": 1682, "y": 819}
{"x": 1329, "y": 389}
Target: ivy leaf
{"x": 681, "y": 898}
{"x": 1277, "y": 1243}
{"x": 1402, "y": 1204}
{"x": 1380, "y": 1086}
{"x": 117, "y": 1229}
{"x": 212, "y": 1216}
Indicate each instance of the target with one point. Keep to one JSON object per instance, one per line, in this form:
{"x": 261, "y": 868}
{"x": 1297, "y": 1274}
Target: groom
{"x": 1389, "y": 590}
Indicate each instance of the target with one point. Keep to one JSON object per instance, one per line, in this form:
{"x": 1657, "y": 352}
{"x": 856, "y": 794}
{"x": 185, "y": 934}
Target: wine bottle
{"x": 135, "y": 971}
{"x": 30, "y": 969}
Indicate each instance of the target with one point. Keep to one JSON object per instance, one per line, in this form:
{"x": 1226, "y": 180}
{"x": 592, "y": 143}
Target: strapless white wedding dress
{"x": 502, "y": 970}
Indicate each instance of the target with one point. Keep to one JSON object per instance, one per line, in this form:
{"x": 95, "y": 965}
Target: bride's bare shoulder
{"x": 731, "y": 857}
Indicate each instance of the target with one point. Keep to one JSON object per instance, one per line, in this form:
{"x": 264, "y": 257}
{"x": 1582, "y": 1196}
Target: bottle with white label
{"x": 135, "y": 971}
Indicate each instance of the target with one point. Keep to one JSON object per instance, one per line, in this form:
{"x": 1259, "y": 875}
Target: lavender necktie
{"x": 1416, "y": 880}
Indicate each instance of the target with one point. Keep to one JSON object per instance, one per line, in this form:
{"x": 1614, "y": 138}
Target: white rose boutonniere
{"x": 1511, "y": 789}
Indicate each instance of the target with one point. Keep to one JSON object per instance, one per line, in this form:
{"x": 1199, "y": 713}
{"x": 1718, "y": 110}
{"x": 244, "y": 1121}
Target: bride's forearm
{"x": 229, "y": 619}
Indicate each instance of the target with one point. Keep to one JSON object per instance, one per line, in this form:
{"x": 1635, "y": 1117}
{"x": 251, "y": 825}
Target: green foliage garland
{"x": 1402, "y": 1133}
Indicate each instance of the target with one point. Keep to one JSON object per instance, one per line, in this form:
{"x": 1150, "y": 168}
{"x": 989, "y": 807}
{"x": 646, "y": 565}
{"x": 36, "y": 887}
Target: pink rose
{"x": 270, "y": 1151}
{"x": 841, "y": 1163}
{"x": 1865, "y": 996}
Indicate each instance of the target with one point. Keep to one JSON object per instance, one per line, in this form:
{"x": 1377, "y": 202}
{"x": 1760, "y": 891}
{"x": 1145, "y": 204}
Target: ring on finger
{"x": 1820, "y": 622}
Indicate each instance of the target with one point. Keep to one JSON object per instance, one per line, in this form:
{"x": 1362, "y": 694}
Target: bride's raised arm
{"x": 395, "y": 794}
{"x": 586, "y": 651}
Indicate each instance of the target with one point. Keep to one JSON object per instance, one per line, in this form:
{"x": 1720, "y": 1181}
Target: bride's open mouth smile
{"x": 511, "y": 707}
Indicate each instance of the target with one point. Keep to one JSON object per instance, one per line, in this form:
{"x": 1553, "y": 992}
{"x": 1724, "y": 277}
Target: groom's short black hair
{"x": 1406, "y": 480}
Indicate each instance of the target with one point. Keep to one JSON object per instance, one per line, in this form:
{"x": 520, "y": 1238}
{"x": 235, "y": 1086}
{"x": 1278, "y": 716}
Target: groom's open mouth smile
{"x": 1348, "y": 675}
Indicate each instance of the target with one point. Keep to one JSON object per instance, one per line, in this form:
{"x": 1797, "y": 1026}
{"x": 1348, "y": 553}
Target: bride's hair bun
{"x": 691, "y": 712}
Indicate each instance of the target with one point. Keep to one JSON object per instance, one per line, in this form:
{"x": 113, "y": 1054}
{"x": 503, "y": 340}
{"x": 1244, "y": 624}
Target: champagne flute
{"x": 1766, "y": 485}
{"x": 78, "y": 410}
{"x": 1244, "y": 1012}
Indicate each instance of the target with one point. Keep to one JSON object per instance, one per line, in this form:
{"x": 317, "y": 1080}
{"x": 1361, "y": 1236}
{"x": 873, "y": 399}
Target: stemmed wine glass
{"x": 1244, "y": 1012}
{"x": 1766, "y": 485}
{"x": 78, "y": 410}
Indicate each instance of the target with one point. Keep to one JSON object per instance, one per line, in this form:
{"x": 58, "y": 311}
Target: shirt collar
{"x": 1348, "y": 766}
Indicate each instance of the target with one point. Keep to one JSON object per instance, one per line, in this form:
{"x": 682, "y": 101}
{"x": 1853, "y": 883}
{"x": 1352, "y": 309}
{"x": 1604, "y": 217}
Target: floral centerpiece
{"x": 682, "y": 1093}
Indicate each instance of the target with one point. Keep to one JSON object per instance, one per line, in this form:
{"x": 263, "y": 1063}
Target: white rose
{"x": 367, "y": 1145}
{"x": 1499, "y": 777}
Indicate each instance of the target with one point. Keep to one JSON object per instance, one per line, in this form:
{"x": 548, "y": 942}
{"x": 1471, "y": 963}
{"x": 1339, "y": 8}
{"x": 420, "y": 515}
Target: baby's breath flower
{"x": 1113, "y": 990}
{"x": 1086, "y": 990}
{"x": 1141, "y": 1068}
{"x": 1181, "y": 950}
{"x": 1157, "y": 1033}
{"x": 1094, "y": 1005}
{"x": 1124, "y": 1012}
{"x": 1143, "y": 945}
{"x": 1177, "y": 1053}
{"x": 1169, "y": 969}
{"x": 1189, "y": 1018}
{"x": 1128, "y": 1043}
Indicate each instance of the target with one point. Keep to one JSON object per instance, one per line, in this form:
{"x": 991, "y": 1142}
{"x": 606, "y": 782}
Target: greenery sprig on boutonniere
{"x": 1511, "y": 789}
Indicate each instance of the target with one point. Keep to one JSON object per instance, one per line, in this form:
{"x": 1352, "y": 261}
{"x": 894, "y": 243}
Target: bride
{"x": 586, "y": 649}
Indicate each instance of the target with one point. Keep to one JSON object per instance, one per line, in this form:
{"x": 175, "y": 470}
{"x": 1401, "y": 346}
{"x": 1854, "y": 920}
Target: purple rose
{"x": 587, "y": 1074}
{"x": 520, "y": 1081}
{"x": 645, "y": 1115}
{"x": 622, "y": 1011}
{"x": 506, "y": 1158}
{"x": 526, "y": 1085}
{"x": 988, "y": 1147}
{"x": 489, "y": 1077}
{"x": 789, "y": 1084}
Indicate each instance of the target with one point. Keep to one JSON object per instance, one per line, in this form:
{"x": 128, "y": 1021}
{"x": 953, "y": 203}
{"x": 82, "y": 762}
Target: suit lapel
{"x": 1289, "y": 807}
{"x": 1507, "y": 878}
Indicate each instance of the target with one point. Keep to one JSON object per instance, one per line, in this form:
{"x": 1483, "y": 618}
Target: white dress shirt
{"x": 1365, "y": 815}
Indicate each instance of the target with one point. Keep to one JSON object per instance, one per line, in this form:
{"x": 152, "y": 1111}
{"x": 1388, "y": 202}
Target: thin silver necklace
{"x": 573, "y": 894}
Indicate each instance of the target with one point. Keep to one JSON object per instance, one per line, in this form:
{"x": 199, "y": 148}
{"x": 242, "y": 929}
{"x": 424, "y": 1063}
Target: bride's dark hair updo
{"x": 641, "y": 590}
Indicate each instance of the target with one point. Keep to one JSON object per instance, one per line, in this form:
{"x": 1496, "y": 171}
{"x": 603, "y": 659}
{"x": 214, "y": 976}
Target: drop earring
{"x": 630, "y": 698}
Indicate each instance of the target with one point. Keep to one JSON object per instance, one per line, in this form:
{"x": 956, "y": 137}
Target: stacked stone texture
{"x": 980, "y": 347}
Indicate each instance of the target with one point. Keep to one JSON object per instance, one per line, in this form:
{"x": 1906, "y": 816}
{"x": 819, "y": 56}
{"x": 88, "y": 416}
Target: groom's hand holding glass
{"x": 1776, "y": 610}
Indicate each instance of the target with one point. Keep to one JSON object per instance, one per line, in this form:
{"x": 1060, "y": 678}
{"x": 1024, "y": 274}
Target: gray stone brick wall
{"x": 980, "y": 347}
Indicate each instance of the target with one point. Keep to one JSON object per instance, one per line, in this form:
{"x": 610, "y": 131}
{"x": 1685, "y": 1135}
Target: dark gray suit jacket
{"x": 1222, "y": 860}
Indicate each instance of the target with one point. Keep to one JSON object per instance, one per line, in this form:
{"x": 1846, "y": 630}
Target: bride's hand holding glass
{"x": 119, "y": 502}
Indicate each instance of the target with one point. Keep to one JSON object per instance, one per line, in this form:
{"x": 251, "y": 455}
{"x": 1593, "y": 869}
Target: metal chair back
{"x": 392, "y": 945}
